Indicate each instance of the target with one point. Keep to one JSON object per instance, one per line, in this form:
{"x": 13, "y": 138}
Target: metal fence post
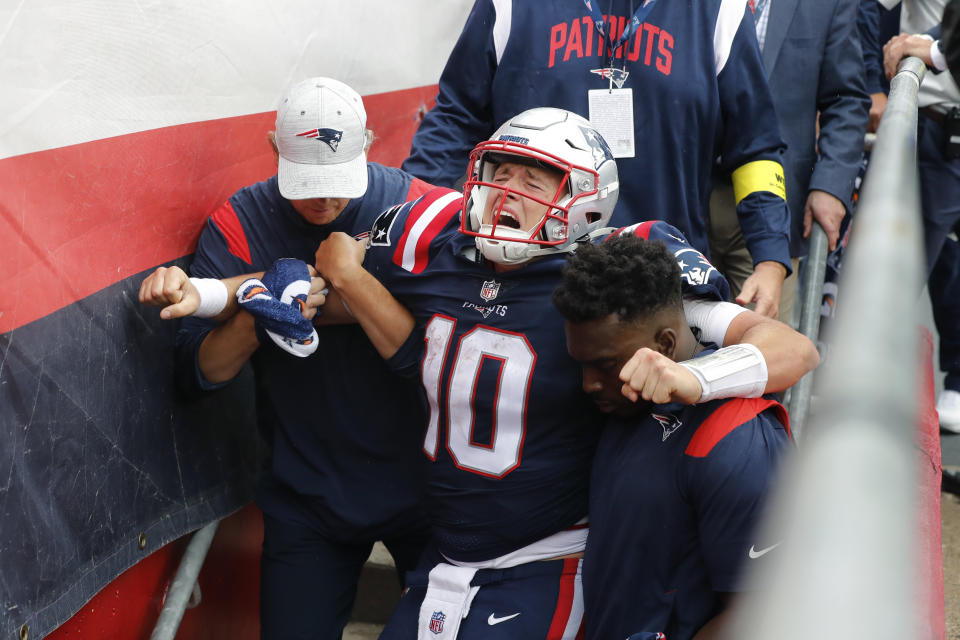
{"x": 178, "y": 593}
{"x": 845, "y": 507}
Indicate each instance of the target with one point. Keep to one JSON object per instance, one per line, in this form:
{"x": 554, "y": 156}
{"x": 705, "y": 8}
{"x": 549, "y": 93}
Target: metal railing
{"x": 845, "y": 505}
{"x": 184, "y": 583}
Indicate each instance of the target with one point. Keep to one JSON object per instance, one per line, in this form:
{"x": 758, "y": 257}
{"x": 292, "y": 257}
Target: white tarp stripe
{"x": 728, "y": 22}
{"x": 421, "y": 224}
{"x": 73, "y": 72}
{"x": 501, "y": 26}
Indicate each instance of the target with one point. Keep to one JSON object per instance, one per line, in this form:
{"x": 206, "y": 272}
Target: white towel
{"x": 447, "y": 602}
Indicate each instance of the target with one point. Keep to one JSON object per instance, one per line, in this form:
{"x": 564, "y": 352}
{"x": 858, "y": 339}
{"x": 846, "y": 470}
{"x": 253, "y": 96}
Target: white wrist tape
{"x": 710, "y": 317}
{"x": 213, "y": 296}
{"x": 737, "y": 371}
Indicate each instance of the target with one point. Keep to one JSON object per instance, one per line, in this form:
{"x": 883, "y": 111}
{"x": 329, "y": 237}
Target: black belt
{"x": 937, "y": 116}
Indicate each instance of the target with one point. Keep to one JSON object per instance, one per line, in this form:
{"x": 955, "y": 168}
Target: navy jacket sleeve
{"x": 751, "y": 132}
{"x": 463, "y": 115}
{"x": 212, "y": 259}
{"x": 844, "y": 108}
{"x": 868, "y": 27}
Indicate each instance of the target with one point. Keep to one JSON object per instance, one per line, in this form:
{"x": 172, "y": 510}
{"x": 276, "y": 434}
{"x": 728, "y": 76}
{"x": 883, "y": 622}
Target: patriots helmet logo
{"x": 669, "y": 422}
{"x": 330, "y": 136}
{"x": 598, "y": 146}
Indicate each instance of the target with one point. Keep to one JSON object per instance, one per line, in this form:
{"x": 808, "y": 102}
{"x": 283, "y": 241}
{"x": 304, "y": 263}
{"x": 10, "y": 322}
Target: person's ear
{"x": 272, "y": 139}
{"x": 666, "y": 341}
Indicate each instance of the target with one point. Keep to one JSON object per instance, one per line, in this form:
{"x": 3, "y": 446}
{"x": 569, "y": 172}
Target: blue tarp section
{"x": 99, "y": 448}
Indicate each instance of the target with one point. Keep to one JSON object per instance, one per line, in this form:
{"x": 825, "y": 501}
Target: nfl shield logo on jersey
{"x": 436, "y": 622}
{"x": 489, "y": 290}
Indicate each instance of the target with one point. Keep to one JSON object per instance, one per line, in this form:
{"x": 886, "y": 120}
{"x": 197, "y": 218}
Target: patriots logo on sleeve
{"x": 698, "y": 276}
{"x": 669, "y": 422}
{"x": 380, "y": 233}
{"x": 694, "y": 267}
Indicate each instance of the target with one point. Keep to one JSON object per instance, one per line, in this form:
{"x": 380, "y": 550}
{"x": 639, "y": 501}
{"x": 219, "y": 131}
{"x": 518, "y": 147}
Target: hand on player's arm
{"x": 227, "y": 347}
{"x": 650, "y": 375}
{"x": 386, "y": 322}
{"x": 789, "y": 355}
{"x": 763, "y": 288}
{"x": 171, "y": 288}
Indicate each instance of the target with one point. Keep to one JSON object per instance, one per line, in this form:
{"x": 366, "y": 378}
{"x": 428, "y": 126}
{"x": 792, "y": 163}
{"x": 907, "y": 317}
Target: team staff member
{"x": 686, "y": 86}
{"x": 814, "y": 65}
{"x": 676, "y": 490}
{"x": 510, "y": 435}
{"x": 346, "y": 468}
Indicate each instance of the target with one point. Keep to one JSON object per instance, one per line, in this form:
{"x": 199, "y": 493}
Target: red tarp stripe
{"x": 77, "y": 219}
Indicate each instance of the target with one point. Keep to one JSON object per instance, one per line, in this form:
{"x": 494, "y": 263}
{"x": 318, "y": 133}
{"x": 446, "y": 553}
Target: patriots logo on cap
{"x": 669, "y": 422}
{"x": 330, "y": 136}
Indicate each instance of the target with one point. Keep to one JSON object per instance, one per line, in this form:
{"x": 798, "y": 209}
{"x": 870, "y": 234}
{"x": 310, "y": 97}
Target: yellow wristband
{"x": 761, "y": 175}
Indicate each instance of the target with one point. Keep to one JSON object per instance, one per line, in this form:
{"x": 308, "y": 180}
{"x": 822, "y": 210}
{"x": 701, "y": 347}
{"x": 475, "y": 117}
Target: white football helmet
{"x": 552, "y": 139}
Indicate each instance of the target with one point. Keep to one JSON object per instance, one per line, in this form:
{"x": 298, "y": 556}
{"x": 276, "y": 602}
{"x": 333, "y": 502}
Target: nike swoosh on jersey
{"x": 493, "y": 619}
{"x": 754, "y": 554}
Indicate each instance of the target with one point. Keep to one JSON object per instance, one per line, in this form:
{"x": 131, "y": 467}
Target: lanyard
{"x": 629, "y": 30}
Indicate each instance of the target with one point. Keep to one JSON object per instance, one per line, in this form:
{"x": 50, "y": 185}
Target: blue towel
{"x": 276, "y": 302}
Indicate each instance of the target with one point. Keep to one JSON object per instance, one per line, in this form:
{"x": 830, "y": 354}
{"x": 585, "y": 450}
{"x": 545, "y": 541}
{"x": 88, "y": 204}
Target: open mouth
{"x": 508, "y": 220}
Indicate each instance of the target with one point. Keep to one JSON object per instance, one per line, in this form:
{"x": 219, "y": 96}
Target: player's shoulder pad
{"x": 411, "y": 227}
{"x": 698, "y": 277}
{"x": 727, "y": 417}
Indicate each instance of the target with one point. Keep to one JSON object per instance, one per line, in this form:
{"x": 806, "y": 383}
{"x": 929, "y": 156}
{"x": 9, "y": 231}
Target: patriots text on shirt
{"x": 579, "y": 38}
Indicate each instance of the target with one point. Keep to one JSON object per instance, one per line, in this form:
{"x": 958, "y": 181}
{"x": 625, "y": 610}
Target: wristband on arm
{"x": 737, "y": 371}
{"x": 710, "y": 319}
{"x": 213, "y": 296}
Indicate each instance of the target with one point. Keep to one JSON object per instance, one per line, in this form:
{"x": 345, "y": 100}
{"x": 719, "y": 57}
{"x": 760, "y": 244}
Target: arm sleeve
{"x": 406, "y": 361}
{"x": 868, "y": 28}
{"x": 728, "y": 490}
{"x": 844, "y": 108}
{"x": 212, "y": 259}
{"x": 463, "y": 115}
{"x": 751, "y": 133}
{"x": 698, "y": 278}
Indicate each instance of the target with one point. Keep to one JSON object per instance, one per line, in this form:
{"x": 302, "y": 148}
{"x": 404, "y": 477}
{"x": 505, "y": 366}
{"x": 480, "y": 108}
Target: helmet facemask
{"x": 514, "y": 223}
{"x": 579, "y": 202}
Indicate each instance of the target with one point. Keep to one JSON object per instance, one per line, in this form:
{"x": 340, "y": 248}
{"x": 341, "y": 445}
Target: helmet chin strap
{"x": 531, "y": 253}
{"x": 570, "y": 248}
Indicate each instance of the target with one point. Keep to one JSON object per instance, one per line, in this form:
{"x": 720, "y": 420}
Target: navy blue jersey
{"x": 675, "y": 496}
{"x": 510, "y": 432}
{"x": 699, "y": 93}
{"x": 348, "y": 460}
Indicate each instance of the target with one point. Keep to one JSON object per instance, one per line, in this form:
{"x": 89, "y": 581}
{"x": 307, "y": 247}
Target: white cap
{"x": 321, "y": 134}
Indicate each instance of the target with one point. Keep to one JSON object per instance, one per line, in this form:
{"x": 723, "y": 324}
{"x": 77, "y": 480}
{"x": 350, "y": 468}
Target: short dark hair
{"x": 626, "y": 275}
